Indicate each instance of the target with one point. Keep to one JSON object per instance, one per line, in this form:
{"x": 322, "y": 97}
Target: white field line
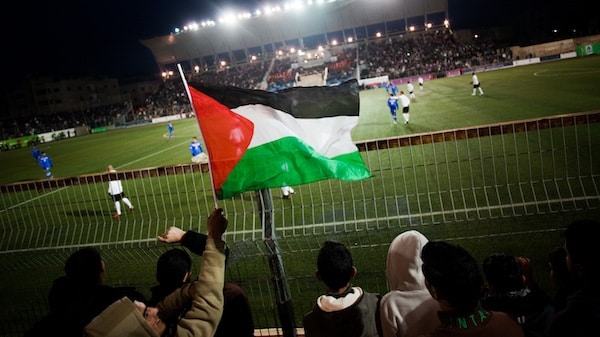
{"x": 62, "y": 188}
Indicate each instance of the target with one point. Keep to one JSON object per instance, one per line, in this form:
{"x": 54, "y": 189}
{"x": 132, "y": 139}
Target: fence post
{"x": 282, "y": 290}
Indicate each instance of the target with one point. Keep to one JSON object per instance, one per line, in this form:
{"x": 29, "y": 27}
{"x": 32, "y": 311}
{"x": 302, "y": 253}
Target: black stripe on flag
{"x": 300, "y": 102}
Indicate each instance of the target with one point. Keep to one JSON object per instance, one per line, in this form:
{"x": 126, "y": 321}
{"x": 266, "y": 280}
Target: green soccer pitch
{"x": 544, "y": 89}
{"x": 526, "y": 92}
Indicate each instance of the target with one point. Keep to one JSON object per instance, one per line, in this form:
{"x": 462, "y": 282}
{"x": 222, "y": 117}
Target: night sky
{"x": 77, "y": 37}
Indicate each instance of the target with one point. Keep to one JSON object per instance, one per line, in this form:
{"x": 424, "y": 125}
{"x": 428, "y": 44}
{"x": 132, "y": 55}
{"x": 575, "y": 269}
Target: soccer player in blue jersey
{"x": 198, "y": 155}
{"x": 46, "y": 164}
{"x": 36, "y": 153}
{"x": 392, "y": 103}
{"x": 388, "y": 87}
{"x": 171, "y": 130}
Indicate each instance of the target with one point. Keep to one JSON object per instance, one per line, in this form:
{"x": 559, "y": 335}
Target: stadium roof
{"x": 300, "y": 26}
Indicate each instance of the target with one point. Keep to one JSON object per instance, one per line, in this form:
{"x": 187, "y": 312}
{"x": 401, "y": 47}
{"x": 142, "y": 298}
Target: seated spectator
{"x": 453, "y": 279}
{"x": 174, "y": 268}
{"x": 345, "y": 310}
{"x": 508, "y": 291}
{"x": 563, "y": 280}
{"x": 408, "y": 309}
{"x": 581, "y": 315}
{"x": 80, "y": 295}
{"x": 127, "y": 318}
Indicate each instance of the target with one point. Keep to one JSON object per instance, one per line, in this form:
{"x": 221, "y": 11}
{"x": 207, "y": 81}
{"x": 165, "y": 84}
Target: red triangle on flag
{"x": 227, "y": 135}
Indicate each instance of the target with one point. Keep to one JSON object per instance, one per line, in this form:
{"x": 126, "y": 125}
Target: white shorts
{"x": 201, "y": 158}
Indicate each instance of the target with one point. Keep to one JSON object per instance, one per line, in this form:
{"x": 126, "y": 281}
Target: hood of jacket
{"x": 120, "y": 319}
{"x": 403, "y": 265}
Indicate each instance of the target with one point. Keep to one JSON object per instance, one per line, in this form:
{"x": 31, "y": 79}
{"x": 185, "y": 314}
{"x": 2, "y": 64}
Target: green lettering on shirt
{"x": 472, "y": 317}
{"x": 482, "y": 315}
{"x": 462, "y": 323}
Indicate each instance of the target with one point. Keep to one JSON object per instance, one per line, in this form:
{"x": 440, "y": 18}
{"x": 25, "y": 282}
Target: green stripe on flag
{"x": 270, "y": 166}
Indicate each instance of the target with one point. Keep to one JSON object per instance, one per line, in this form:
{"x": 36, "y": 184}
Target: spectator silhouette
{"x": 507, "y": 291}
{"x": 408, "y": 309}
{"x": 453, "y": 278}
{"x": 80, "y": 295}
{"x": 563, "y": 280}
{"x": 132, "y": 318}
{"x": 345, "y": 310}
{"x": 581, "y": 314}
{"x": 174, "y": 268}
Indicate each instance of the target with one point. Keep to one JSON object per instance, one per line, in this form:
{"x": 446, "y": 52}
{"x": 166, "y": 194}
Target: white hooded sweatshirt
{"x": 408, "y": 309}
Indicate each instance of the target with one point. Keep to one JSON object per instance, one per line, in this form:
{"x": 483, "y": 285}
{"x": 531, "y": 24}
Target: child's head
{"x": 452, "y": 275}
{"x": 335, "y": 265}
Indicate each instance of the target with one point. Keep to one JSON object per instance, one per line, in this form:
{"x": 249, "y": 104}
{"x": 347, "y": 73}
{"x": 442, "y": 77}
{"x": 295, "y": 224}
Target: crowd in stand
{"x": 432, "y": 52}
{"x": 435, "y": 288}
{"x": 429, "y": 52}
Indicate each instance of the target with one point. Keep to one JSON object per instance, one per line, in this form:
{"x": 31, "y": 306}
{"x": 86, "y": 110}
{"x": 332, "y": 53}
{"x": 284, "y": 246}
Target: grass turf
{"x": 524, "y": 92}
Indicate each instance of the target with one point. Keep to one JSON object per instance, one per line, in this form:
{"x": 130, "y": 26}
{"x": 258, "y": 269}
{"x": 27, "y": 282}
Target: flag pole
{"x": 187, "y": 90}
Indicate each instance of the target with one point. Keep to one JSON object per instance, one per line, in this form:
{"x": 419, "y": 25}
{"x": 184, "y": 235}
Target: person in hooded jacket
{"x": 134, "y": 319}
{"x": 408, "y": 309}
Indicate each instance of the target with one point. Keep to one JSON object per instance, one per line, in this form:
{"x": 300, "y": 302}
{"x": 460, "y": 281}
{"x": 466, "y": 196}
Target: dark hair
{"x": 335, "y": 264}
{"x": 454, "y": 273}
{"x": 84, "y": 266}
{"x": 172, "y": 266}
{"x": 503, "y": 273}
{"x": 580, "y": 242}
{"x": 558, "y": 262}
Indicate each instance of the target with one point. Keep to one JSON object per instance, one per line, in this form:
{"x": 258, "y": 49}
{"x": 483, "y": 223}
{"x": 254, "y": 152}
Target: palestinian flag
{"x": 258, "y": 139}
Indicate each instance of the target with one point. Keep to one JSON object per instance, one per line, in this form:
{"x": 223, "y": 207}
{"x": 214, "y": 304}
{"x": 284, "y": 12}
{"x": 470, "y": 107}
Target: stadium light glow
{"x": 228, "y": 17}
{"x": 266, "y": 10}
{"x": 244, "y": 15}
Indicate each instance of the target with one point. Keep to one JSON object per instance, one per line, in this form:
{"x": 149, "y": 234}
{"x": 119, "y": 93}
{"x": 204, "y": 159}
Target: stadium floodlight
{"x": 227, "y": 18}
{"x": 244, "y": 15}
